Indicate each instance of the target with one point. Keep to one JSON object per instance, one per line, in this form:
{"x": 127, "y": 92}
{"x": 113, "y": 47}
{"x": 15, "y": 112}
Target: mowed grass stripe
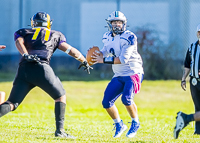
{"x": 158, "y": 102}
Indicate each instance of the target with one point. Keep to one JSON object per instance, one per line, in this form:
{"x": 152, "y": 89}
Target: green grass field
{"x": 158, "y": 102}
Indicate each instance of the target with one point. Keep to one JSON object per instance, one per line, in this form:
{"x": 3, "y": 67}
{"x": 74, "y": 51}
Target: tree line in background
{"x": 158, "y": 61}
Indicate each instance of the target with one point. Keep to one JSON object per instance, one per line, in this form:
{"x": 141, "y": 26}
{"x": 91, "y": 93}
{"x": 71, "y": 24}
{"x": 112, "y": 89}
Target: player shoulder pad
{"x": 106, "y": 36}
{"x": 20, "y": 33}
{"x": 57, "y": 32}
{"x": 129, "y": 36}
{"x": 59, "y": 35}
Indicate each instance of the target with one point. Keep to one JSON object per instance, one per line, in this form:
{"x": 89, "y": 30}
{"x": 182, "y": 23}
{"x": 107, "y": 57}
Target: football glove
{"x": 31, "y": 58}
{"x": 86, "y": 66}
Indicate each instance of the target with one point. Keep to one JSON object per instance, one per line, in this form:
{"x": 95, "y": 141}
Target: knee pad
{"x": 107, "y": 104}
{"x": 126, "y": 100}
{"x": 4, "y": 109}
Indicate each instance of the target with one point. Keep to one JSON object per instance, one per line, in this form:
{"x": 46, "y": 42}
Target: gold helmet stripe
{"x": 48, "y": 22}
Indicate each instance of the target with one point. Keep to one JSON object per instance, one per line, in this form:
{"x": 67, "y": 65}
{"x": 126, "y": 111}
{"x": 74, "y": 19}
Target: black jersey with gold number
{"x": 40, "y": 41}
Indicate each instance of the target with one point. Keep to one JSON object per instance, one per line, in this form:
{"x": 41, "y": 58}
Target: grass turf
{"x": 158, "y": 102}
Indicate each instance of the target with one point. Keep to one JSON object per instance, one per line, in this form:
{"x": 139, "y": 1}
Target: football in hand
{"x": 90, "y": 53}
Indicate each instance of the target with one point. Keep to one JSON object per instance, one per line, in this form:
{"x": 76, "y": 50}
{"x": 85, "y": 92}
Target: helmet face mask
{"x": 116, "y": 16}
{"x": 41, "y": 19}
{"x": 117, "y": 26}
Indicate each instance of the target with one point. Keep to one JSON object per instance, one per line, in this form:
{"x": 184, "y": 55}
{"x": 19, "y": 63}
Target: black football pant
{"x": 195, "y": 92}
{"x": 33, "y": 74}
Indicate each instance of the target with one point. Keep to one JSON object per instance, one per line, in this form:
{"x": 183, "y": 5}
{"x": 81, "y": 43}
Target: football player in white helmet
{"x": 120, "y": 50}
{"x": 114, "y": 17}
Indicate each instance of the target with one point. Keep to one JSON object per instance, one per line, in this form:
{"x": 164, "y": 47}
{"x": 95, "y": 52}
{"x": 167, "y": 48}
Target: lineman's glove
{"x": 31, "y": 58}
{"x": 86, "y": 66}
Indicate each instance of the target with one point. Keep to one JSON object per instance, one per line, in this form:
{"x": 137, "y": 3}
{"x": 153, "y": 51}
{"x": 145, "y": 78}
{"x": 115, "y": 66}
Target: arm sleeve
{"x": 18, "y": 34}
{"x": 62, "y": 38}
{"x": 187, "y": 59}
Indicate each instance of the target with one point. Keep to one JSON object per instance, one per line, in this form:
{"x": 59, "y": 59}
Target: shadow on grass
{"x": 55, "y": 139}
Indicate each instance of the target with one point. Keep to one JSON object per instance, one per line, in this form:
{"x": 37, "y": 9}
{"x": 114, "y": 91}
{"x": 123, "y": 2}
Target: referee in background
{"x": 191, "y": 68}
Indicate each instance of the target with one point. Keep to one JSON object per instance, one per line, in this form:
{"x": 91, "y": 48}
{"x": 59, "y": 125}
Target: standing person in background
{"x": 37, "y": 45}
{"x": 192, "y": 68}
{"x": 2, "y": 47}
{"x": 120, "y": 50}
{"x": 2, "y": 93}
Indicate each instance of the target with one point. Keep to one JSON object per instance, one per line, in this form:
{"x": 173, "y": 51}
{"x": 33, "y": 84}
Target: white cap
{"x": 198, "y": 28}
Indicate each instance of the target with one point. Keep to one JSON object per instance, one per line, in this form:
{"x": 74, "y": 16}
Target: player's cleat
{"x": 133, "y": 129}
{"x": 180, "y": 123}
{"x": 61, "y": 133}
{"x": 120, "y": 128}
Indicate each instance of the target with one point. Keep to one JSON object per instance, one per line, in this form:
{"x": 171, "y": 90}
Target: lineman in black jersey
{"x": 36, "y": 45}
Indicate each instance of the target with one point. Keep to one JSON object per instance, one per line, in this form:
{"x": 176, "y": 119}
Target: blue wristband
{"x": 109, "y": 60}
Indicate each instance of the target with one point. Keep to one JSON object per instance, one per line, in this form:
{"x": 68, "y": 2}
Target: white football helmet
{"x": 116, "y": 15}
